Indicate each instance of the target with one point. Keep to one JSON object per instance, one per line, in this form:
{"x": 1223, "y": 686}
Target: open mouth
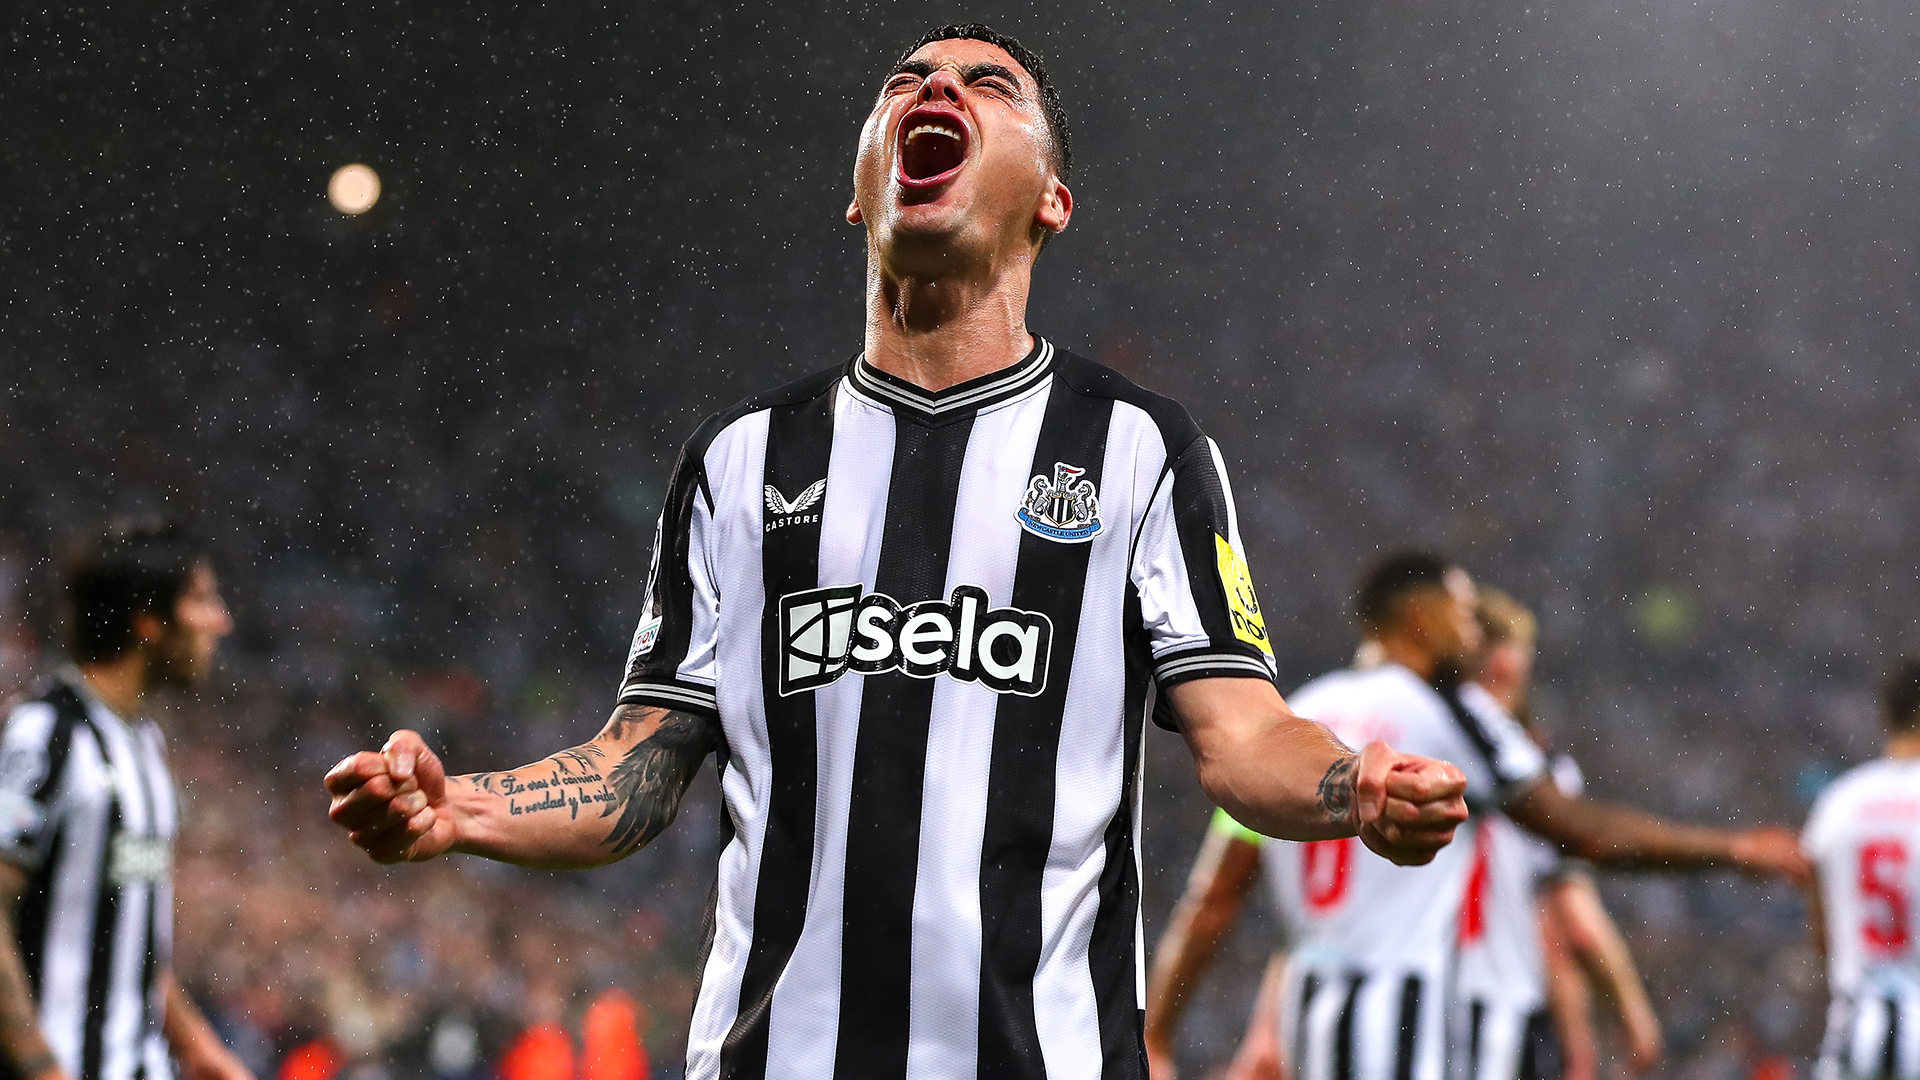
{"x": 933, "y": 143}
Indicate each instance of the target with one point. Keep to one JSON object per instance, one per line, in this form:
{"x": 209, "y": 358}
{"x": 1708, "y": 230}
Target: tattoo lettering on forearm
{"x": 643, "y": 790}
{"x": 1336, "y": 789}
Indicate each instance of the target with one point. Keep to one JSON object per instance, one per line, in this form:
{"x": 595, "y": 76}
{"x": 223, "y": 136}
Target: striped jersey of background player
{"x": 88, "y": 816}
{"x": 918, "y": 604}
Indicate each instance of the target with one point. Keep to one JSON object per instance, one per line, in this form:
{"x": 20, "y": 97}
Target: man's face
{"x": 956, "y": 155}
{"x": 1506, "y": 671}
{"x": 1444, "y": 622}
{"x": 181, "y": 653}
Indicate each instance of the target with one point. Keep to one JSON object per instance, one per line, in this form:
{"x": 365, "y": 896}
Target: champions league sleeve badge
{"x": 1064, "y": 507}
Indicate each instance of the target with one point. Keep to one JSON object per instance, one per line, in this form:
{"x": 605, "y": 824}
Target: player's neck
{"x": 120, "y": 683}
{"x": 942, "y": 330}
{"x": 1904, "y": 744}
{"x": 1409, "y": 655}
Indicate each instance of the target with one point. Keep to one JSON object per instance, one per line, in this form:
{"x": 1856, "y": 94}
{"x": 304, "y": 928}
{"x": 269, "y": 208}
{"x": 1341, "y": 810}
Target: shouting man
{"x": 920, "y": 606}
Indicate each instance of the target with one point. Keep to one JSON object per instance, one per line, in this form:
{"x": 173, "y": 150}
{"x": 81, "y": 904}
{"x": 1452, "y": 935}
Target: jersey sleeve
{"x": 30, "y": 754}
{"x": 1512, "y": 762}
{"x": 1818, "y": 838}
{"x": 1197, "y": 603}
{"x": 672, "y": 661}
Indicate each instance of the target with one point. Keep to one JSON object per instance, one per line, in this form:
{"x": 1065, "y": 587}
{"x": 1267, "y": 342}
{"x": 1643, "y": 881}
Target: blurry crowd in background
{"x": 1616, "y": 306}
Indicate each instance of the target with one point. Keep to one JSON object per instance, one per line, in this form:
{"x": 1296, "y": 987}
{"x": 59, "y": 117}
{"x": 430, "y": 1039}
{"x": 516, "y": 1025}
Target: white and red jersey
{"x": 1501, "y": 981}
{"x": 1372, "y": 943}
{"x": 1864, "y": 835}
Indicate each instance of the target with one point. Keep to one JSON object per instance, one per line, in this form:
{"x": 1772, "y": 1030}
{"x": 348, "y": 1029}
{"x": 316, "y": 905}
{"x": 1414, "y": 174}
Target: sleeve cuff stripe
{"x": 666, "y": 692}
{"x": 1187, "y": 665}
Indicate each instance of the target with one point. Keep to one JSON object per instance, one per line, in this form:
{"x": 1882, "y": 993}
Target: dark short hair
{"x": 132, "y": 568}
{"x": 1026, "y": 58}
{"x": 1392, "y": 579}
{"x": 1901, "y": 695}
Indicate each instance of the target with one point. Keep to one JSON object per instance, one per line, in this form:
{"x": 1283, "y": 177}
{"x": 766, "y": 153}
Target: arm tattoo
{"x": 643, "y": 789}
{"x": 1336, "y": 789}
{"x": 649, "y": 781}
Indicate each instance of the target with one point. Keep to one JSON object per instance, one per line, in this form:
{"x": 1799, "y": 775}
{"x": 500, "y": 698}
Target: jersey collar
{"x": 970, "y": 396}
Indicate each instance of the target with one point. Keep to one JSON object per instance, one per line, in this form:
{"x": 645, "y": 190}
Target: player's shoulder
{"x": 1867, "y": 780}
{"x": 34, "y": 716}
{"x": 1332, "y": 686}
{"x": 1080, "y": 375}
{"x": 809, "y": 388}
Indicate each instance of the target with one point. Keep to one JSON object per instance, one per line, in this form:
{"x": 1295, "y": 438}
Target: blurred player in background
{"x": 918, "y": 603}
{"x": 1864, "y": 834}
{"x": 88, "y": 816}
{"x": 1372, "y": 944}
{"x": 1535, "y": 940}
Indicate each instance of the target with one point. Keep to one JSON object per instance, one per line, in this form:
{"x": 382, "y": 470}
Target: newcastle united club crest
{"x": 1064, "y": 507}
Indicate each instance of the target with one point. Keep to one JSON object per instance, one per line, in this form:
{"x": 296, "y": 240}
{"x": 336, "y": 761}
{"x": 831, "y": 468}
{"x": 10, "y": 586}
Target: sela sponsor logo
{"x": 826, "y": 633}
{"x": 139, "y": 858}
{"x": 1064, "y": 507}
{"x": 781, "y": 512}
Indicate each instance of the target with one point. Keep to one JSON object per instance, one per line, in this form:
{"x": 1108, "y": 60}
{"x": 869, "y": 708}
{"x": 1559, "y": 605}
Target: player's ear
{"x": 1056, "y": 207}
{"x": 854, "y": 216}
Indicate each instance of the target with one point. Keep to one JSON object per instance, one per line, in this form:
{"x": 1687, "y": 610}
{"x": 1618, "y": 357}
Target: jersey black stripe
{"x": 1111, "y": 953}
{"x": 1199, "y": 508}
{"x": 106, "y": 918}
{"x": 1476, "y": 733}
{"x": 1050, "y": 578}
{"x": 1409, "y": 1028}
{"x": 799, "y": 448}
{"x": 1309, "y": 986}
{"x": 1343, "y": 1029}
{"x": 1539, "y": 1055}
{"x": 1890, "y": 1050}
{"x": 1476, "y": 1033}
{"x": 890, "y": 764}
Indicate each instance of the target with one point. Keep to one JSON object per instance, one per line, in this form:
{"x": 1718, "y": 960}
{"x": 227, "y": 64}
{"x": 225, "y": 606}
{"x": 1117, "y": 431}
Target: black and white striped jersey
{"x": 931, "y": 624}
{"x": 1373, "y": 946}
{"x": 87, "y": 809}
{"x": 1502, "y": 1030}
{"x": 1864, "y": 836}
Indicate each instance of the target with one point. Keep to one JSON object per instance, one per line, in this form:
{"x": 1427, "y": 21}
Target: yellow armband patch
{"x": 1242, "y": 605}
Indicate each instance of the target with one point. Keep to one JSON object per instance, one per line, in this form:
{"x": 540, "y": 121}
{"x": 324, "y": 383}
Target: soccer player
{"x": 1532, "y": 929}
{"x": 88, "y": 817}
{"x": 920, "y": 606}
{"x": 1863, "y": 835}
{"x": 1372, "y": 943}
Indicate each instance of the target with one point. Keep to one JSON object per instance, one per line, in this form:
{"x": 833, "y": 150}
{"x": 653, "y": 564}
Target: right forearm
{"x": 586, "y": 806}
{"x": 1612, "y": 835}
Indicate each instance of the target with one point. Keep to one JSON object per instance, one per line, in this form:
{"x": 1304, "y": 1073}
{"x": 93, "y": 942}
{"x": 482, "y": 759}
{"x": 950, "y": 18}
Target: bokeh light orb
{"x": 354, "y": 189}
